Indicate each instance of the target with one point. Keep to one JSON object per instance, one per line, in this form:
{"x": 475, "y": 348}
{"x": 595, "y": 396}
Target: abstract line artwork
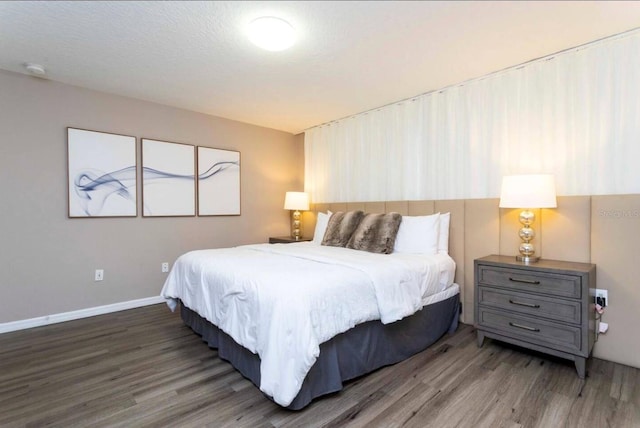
{"x": 218, "y": 182}
{"x": 168, "y": 179}
{"x": 101, "y": 174}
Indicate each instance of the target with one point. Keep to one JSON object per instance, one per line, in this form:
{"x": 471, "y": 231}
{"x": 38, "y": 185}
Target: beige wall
{"x": 47, "y": 261}
{"x": 596, "y": 229}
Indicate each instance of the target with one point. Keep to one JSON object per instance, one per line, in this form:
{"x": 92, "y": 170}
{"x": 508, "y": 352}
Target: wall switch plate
{"x": 165, "y": 267}
{"x": 99, "y": 276}
{"x": 602, "y": 297}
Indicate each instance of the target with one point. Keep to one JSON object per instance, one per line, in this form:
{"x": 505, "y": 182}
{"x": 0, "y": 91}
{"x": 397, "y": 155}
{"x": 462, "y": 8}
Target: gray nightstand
{"x": 286, "y": 240}
{"x": 546, "y": 306}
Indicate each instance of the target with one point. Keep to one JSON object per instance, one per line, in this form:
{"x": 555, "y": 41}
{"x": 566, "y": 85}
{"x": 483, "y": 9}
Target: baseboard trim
{"x": 81, "y": 313}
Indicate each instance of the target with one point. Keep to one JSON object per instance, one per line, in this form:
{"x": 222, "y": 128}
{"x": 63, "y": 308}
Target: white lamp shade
{"x": 528, "y": 191}
{"x": 296, "y": 201}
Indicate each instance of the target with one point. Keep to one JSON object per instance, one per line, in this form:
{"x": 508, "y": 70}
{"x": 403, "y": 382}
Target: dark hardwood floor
{"x": 143, "y": 367}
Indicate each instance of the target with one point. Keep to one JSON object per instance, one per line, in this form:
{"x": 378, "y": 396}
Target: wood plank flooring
{"x": 143, "y": 367}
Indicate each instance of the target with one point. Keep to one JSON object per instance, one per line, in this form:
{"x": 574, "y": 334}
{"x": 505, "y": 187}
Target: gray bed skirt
{"x": 358, "y": 351}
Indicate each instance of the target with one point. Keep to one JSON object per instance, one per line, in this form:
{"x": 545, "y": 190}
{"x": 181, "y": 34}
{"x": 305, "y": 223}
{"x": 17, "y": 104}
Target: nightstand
{"x": 546, "y": 306}
{"x": 286, "y": 240}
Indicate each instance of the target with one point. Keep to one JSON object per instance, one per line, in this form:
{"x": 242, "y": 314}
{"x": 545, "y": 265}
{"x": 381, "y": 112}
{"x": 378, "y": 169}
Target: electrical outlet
{"x": 99, "y": 276}
{"x": 165, "y": 267}
{"x": 602, "y": 297}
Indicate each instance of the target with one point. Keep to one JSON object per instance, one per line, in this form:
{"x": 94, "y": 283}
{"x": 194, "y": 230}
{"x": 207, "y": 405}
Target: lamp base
{"x": 296, "y": 226}
{"x": 527, "y": 250}
{"x": 527, "y": 259}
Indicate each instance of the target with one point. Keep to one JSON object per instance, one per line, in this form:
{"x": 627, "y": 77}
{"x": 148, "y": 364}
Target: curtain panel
{"x": 575, "y": 114}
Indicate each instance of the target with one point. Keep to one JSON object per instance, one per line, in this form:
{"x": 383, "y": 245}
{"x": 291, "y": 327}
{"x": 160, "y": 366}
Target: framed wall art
{"x": 218, "y": 182}
{"x": 101, "y": 169}
{"x": 168, "y": 179}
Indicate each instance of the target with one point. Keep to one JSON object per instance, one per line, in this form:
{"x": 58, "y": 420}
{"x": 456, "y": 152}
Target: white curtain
{"x": 575, "y": 115}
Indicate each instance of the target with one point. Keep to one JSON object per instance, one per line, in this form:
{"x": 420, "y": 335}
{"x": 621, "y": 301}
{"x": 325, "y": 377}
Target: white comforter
{"x": 282, "y": 301}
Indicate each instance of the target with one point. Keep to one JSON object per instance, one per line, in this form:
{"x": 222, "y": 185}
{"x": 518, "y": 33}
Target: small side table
{"x": 546, "y": 306}
{"x": 286, "y": 240}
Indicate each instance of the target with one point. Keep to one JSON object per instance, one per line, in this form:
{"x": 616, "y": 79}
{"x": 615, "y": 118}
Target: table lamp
{"x": 528, "y": 192}
{"x": 296, "y": 201}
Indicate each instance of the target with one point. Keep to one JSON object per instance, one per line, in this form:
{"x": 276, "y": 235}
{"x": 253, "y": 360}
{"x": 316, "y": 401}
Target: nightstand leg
{"x": 581, "y": 364}
{"x": 481, "y": 339}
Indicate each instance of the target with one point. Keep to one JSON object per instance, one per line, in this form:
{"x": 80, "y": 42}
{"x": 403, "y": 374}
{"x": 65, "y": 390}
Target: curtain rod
{"x": 548, "y": 57}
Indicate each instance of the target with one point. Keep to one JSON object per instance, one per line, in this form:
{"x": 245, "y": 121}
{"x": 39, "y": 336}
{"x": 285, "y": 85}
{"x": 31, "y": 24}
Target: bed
{"x": 300, "y": 319}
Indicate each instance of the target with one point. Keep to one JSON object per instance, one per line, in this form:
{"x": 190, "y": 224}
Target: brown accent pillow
{"x": 340, "y": 228}
{"x": 376, "y": 233}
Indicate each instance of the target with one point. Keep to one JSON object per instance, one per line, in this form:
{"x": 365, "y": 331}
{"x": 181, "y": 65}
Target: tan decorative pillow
{"x": 340, "y": 228}
{"x": 376, "y": 233}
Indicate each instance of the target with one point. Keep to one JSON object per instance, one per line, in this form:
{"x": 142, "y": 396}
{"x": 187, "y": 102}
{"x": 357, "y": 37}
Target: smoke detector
{"x": 35, "y": 69}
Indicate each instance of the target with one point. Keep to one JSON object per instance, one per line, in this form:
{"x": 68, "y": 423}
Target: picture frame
{"x": 219, "y": 182}
{"x": 101, "y": 173}
{"x": 168, "y": 179}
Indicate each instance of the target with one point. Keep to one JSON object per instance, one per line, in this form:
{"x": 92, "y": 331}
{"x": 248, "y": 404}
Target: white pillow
{"x": 321, "y": 225}
{"x": 443, "y": 234}
{"x": 418, "y": 235}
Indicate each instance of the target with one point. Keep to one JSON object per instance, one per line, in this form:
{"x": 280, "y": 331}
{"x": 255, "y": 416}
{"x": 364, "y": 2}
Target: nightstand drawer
{"x": 544, "y": 333}
{"x": 531, "y": 281}
{"x": 539, "y": 306}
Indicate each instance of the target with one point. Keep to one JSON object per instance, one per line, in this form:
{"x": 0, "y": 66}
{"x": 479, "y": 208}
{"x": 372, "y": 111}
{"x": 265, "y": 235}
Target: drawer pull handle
{"x": 528, "y": 305}
{"x": 524, "y": 327}
{"x": 526, "y": 281}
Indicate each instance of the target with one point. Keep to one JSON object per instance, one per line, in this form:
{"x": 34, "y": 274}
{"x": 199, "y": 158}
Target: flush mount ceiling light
{"x": 271, "y": 33}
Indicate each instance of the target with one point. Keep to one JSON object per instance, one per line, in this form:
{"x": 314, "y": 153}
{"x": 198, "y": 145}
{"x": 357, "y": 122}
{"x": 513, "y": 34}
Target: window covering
{"x": 575, "y": 114}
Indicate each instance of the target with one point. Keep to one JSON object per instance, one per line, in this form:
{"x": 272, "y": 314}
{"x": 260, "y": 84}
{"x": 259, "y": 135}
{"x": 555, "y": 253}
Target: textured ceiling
{"x": 350, "y": 56}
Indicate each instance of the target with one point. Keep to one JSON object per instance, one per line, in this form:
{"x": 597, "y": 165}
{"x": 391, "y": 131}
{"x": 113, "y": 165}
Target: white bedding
{"x": 281, "y": 301}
